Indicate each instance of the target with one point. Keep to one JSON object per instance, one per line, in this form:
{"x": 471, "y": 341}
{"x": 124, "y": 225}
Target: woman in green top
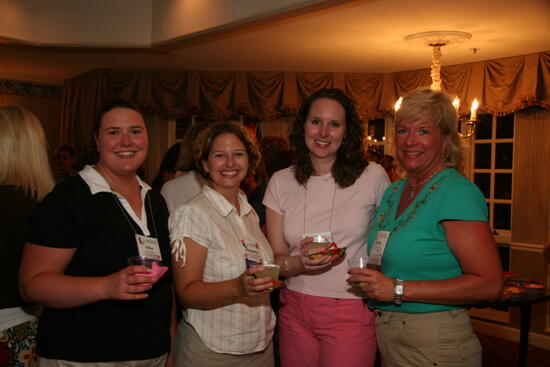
{"x": 434, "y": 245}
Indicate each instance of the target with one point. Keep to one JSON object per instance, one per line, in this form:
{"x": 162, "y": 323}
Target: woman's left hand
{"x": 375, "y": 284}
{"x": 252, "y": 286}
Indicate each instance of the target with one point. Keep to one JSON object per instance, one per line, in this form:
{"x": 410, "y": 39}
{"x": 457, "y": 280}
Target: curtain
{"x": 502, "y": 86}
{"x": 162, "y": 135}
{"x": 42, "y": 100}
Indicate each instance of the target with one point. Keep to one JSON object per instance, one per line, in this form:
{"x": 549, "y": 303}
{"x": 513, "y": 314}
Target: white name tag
{"x": 377, "y": 250}
{"x": 252, "y": 254}
{"x": 148, "y": 247}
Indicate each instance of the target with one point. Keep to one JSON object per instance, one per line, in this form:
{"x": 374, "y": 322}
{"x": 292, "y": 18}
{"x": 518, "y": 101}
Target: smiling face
{"x": 227, "y": 163}
{"x": 420, "y": 145}
{"x": 121, "y": 141}
{"x": 324, "y": 129}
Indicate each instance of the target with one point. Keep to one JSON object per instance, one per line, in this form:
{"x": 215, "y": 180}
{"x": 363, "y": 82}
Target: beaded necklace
{"x": 421, "y": 183}
{"x": 412, "y": 212}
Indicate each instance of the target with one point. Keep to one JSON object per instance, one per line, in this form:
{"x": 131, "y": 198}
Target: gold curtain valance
{"x": 502, "y": 86}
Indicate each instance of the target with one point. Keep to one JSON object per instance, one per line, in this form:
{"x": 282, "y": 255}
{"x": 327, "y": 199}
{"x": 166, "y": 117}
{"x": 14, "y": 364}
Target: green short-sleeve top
{"x": 417, "y": 248}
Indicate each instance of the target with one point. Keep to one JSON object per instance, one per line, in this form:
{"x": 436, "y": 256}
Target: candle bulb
{"x": 473, "y": 111}
{"x": 398, "y": 104}
{"x": 456, "y": 104}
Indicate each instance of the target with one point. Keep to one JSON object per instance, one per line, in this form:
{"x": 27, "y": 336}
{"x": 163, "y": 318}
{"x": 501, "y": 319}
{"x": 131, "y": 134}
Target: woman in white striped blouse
{"x": 227, "y": 320}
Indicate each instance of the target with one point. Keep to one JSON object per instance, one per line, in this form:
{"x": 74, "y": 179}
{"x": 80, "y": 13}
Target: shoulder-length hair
{"x": 23, "y": 154}
{"x": 203, "y": 145}
{"x": 350, "y": 161}
{"x": 427, "y": 104}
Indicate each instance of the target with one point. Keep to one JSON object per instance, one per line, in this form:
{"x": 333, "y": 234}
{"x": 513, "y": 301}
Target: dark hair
{"x": 186, "y": 161}
{"x": 276, "y": 155}
{"x": 111, "y": 105}
{"x": 350, "y": 161}
{"x": 203, "y": 145}
{"x": 388, "y": 162}
{"x": 65, "y": 148}
{"x": 168, "y": 164}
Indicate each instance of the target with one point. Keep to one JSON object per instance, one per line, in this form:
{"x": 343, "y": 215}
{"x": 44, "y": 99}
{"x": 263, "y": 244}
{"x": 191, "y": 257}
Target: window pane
{"x": 483, "y": 181}
{"x": 484, "y": 127}
{"x": 505, "y": 126}
{"x": 502, "y": 216}
{"x": 376, "y": 129}
{"x": 503, "y": 186}
{"x": 504, "y": 155}
{"x": 482, "y": 156}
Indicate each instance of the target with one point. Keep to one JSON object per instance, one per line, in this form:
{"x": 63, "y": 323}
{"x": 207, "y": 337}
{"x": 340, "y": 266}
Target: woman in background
{"x": 188, "y": 183}
{"x": 98, "y": 308}
{"x": 25, "y": 178}
{"x": 437, "y": 249}
{"x": 64, "y": 160}
{"x": 331, "y": 188}
{"x": 227, "y": 319}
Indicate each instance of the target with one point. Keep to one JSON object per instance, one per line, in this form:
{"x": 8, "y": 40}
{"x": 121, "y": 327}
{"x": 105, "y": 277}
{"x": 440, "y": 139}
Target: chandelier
{"x": 436, "y": 40}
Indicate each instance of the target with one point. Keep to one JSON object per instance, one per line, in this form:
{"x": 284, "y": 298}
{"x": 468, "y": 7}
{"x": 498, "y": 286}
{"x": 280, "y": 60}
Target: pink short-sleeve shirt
{"x": 322, "y": 206}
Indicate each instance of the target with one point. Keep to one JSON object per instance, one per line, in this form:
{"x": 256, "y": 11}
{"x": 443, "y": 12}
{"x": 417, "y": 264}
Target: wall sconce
{"x": 470, "y": 123}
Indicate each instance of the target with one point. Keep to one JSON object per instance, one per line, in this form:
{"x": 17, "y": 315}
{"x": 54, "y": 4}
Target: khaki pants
{"x": 190, "y": 351}
{"x": 442, "y": 339}
{"x": 153, "y": 362}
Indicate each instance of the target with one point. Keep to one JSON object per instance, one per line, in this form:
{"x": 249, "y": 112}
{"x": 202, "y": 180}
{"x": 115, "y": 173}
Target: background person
{"x": 167, "y": 170}
{"x": 25, "y": 178}
{"x": 439, "y": 251}
{"x": 64, "y": 161}
{"x": 227, "y": 318}
{"x": 97, "y": 308}
{"x": 187, "y": 183}
{"x": 331, "y": 188}
{"x": 276, "y": 155}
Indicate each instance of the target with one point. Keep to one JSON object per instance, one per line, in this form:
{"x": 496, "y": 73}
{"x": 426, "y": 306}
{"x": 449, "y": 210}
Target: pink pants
{"x": 325, "y": 332}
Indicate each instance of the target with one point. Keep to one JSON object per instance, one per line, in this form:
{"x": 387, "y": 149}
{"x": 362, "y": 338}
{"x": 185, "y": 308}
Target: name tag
{"x": 252, "y": 254}
{"x": 377, "y": 250}
{"x": 148, "y": 247}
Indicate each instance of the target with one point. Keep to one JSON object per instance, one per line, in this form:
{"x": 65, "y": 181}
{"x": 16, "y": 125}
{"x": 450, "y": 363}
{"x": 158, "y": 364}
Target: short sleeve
{"x": 191, "y": 222}
{"x": 56, "y": 222}
{"x": 462, "y": 201}
{"x": 271, "y": 197}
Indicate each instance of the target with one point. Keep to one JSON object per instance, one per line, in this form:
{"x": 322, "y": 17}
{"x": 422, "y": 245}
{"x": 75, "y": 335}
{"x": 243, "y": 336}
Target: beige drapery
{"x": 41, "y": 99}
{"x": 502, "y": 86}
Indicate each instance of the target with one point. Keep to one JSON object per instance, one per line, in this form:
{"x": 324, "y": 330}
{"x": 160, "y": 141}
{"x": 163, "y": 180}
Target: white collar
{"x": 97, "y": 182}
{"x": 224, "y": 207}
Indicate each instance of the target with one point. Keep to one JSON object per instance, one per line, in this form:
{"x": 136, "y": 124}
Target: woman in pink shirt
{"x": 331, "y": 190}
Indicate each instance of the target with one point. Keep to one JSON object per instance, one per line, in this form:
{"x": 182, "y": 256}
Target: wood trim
{"x": 508, "y": 333}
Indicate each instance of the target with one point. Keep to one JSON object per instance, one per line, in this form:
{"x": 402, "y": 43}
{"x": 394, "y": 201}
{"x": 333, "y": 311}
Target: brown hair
{"x": 350, "y": 161}
{"x": 203, "y": 144}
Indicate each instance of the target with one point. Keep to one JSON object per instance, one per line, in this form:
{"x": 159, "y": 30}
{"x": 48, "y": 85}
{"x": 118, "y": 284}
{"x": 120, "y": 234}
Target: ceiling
{"x": 363, "y": 36}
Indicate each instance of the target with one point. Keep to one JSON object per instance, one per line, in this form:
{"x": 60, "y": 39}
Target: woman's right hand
{"x": 311, "y": 264}
{"x": 127, "y": 284}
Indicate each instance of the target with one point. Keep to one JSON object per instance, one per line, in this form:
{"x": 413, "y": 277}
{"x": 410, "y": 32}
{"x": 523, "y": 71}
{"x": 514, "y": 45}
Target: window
{"x": 493, "y": 153}
{"x": 376, "y": 136}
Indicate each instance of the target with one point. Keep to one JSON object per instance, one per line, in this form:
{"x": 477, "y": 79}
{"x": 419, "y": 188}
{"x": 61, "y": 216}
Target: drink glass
{"x": 319, "y": 241}
{"x": 271, "y": 270}
{"x": 358, "y": 262}
{"x": 142, "y": 261}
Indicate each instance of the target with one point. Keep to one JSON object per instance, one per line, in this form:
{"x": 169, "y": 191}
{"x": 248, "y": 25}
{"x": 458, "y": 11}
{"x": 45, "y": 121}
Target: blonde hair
{"x": 426, "y": 104}
{"x": 23, "y": 156}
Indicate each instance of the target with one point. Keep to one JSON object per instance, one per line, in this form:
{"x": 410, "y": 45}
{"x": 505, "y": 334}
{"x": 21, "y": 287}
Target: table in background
{"x": 524, "y": 302}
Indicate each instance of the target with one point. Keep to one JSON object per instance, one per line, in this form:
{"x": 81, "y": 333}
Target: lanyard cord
{"x": 128, "y": 219}
{"x": 331, "y": 207}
